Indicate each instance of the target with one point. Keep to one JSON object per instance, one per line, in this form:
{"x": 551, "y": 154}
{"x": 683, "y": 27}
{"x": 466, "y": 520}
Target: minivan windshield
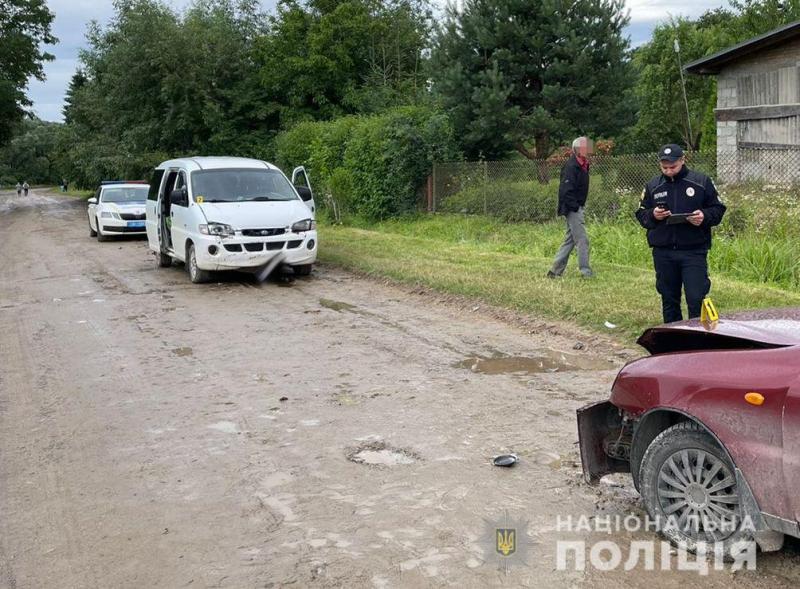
{"x": 125, "y": 194}
{"x": 237, "y": 185}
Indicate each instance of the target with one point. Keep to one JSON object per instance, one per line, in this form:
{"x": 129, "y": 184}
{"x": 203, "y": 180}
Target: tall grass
{"x": 754, "y": 260}
{"x": 757, "y": 258}
{"x": 467, "y": 257}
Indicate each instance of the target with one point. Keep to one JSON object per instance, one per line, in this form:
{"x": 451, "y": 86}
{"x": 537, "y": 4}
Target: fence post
{"x": 433, "y": 188}
{"x": 430, "y": 192}
{"x": 485, "y": 183}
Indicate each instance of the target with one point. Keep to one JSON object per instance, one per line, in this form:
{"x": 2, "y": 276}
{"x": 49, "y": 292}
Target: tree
{"x": 31, "y": 154}
{"x": 525, "y": 75}
{"x": 662, "y": 116}
{"x": 755, "y": 17}
{"x": 330, "y": 58}
{"x": 153, "y": 84}
{"x": 77, "y": 82}
{"x": 24, "y": 27}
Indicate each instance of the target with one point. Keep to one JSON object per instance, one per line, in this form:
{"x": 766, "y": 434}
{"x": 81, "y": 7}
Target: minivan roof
{"x": 214, "y": 163}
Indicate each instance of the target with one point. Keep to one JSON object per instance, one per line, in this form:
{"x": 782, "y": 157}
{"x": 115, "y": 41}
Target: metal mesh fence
{"x": 525, "y": 190}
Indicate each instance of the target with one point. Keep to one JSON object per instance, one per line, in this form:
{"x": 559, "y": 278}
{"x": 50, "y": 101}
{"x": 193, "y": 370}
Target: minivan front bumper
{"x": 233, "y": 253}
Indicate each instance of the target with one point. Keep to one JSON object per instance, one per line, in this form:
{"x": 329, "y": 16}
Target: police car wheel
{"x": 92, "y": 232}
{"x": 100, "y": 236}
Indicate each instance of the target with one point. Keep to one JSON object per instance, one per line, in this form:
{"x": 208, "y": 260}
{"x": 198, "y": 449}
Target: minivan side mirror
{"x": 92, "y": 201}
{"x": 304, "y": 192}
{"x": 179, "y": 197}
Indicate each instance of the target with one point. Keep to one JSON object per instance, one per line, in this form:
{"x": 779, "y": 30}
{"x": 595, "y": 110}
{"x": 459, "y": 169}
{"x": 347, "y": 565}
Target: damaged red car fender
{"x": 739, "y": 379}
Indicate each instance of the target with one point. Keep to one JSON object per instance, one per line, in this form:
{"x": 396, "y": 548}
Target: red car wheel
{"x": 689, "y": 487}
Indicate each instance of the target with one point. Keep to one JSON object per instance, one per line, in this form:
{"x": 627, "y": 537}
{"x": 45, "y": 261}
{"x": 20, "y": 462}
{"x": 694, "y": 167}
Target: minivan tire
{"x": 92, "y": 232}
{"x": 196, "y": 275}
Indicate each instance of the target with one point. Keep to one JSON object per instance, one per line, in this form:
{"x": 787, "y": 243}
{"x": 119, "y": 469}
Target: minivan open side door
{"x": 303, "y": 186}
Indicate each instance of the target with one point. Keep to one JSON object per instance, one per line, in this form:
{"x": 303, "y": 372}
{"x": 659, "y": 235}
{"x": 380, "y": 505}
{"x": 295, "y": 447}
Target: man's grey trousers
{"x": 575, "y": 238}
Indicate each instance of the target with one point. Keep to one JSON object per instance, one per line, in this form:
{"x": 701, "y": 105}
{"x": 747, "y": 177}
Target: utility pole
{"x": 685, "y": 100}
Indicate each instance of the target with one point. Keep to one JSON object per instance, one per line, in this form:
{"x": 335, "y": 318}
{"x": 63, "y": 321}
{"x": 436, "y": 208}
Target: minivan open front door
{"x": 303, "y": 187}
{"x": 152, "y": 212}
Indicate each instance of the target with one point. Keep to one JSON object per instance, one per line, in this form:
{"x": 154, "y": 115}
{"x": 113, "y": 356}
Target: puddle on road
{"x": 542, "y": 361}
{"x": 336, "y": 305}
{"x": 380, "y": 454}
{"x": 183, "y": 352}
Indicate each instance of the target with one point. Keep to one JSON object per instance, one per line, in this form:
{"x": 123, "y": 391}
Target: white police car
{"x": 118, "y": 208}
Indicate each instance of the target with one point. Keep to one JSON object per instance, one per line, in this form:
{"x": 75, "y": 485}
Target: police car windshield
{"x": 241, "y": 185}
{"x": 125, "y": 194}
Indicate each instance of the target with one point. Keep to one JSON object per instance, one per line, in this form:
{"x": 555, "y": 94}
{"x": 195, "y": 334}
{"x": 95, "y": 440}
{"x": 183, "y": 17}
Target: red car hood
{"x": 766, "y": 328}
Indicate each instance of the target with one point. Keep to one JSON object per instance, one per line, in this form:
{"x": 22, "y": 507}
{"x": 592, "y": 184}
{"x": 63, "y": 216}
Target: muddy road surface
{"x": 332, "y": 432}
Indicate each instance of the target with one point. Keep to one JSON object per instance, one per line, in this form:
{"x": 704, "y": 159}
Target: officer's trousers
{"x": 681, "y": 268}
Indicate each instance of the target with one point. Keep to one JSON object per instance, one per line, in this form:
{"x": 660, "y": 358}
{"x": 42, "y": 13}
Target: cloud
{"x": 655, "y": 11}
{"x": 72, "y": 18}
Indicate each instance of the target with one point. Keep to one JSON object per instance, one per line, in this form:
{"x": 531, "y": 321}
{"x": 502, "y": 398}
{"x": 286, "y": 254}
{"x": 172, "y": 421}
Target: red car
{"x": 708, "y": 426}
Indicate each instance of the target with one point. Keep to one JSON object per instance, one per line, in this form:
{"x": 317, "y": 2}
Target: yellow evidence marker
{"x": 708, "y": 311}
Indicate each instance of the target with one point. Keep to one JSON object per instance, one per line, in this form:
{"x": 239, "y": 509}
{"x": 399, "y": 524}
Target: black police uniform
{"x": 680, "y": 249}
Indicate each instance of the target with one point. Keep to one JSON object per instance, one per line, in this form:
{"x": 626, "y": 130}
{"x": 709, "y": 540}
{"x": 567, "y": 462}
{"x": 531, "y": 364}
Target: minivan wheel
{"x": 92, "y": 232}
{"x": 688, "y": 485}
{"x": 196, "y": 275}
{"x": 100, "y": 236}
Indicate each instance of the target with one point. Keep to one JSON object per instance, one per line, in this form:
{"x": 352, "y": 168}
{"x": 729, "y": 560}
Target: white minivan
{"x": 230, "y": 213}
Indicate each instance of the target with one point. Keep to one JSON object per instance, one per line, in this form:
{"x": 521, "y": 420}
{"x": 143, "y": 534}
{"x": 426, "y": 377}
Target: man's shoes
{"x": 551, "y": 274}
{"x": 588, "y": 274}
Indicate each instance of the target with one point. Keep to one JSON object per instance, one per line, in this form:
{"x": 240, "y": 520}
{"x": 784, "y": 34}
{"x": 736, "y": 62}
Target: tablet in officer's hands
{"x": 678, "y": 218}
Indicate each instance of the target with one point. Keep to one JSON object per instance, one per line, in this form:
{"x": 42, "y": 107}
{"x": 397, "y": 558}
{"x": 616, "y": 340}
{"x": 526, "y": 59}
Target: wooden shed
{"x": 758, "y": 106}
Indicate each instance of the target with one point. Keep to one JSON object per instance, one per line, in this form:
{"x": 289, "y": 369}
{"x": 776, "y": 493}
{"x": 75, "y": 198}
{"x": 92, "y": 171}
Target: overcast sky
{"x": 72, "y": 17}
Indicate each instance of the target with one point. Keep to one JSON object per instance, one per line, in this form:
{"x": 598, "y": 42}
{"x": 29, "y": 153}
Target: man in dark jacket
{"x": 678, "y": 208}
{"x": 572, "y": 193}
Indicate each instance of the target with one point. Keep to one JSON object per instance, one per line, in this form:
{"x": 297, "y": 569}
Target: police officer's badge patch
{"x": 690, "y": 191}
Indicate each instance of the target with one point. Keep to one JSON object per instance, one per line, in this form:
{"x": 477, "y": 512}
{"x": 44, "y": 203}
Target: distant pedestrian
{"x": 65, "y": 184}
{"x": 572, "y": 193}
{"x": 19, "y": 189}
{"x": 25, "y": 188}
{"x": 678, "y": 208}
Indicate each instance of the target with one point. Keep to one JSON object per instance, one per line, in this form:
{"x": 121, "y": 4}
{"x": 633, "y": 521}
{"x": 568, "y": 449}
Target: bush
{"x": 373, "y": 166}
{"x": 508, "y": 201}
{"x": 532, "y": 201}
{"x": 293, "y": 147}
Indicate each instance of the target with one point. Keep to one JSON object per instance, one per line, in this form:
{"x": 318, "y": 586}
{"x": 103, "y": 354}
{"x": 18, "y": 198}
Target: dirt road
{"x": 330, "y": 432}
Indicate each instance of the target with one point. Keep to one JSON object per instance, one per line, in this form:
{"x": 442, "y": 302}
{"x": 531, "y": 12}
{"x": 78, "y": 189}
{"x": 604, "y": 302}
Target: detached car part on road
{"x": 709, "y": 427}
{"x": 117, "y": 208}
{"x": 226, "y": 213}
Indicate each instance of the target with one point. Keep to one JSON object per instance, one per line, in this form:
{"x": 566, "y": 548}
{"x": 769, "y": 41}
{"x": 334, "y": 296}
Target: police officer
{"x": 678, "y": 208}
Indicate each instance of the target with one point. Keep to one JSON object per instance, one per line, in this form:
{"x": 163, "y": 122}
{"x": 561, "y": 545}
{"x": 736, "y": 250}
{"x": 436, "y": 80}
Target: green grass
{"x": 82, "y": 194}
{"x": 505, "y": 264}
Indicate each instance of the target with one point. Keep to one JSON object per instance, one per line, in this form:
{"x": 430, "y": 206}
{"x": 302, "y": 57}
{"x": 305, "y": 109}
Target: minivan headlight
{"x": 304, "y": 225}
{"x": 218, "y": 229}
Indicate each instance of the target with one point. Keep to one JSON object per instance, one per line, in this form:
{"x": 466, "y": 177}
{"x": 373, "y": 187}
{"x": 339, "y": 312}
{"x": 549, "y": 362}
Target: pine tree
{"x": 525, "y": 74}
